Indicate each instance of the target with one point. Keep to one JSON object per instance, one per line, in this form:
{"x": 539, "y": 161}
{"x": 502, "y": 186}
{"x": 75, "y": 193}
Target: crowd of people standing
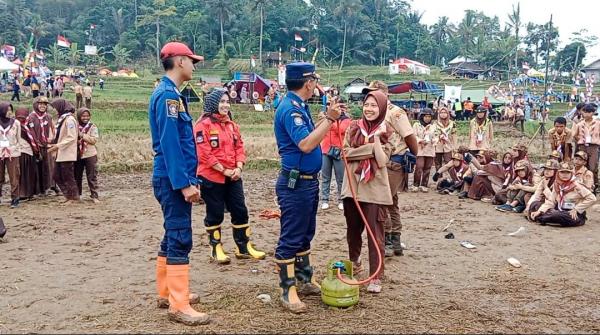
{"x": 42, "y": 155}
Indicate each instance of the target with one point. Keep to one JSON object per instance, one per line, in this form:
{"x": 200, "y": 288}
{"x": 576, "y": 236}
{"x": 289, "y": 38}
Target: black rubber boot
{"x": 389, "y": 248}
{"x": 396, "y": 244}
{"x": 304, "y": 275}
{"x": 216, "y": 248}
{"x": 245, "y": 249}
{"x": 287, "y": 283}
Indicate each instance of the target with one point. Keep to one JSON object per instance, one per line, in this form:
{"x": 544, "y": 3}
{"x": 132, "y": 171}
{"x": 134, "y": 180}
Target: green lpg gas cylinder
{"x": 336, "y": 293}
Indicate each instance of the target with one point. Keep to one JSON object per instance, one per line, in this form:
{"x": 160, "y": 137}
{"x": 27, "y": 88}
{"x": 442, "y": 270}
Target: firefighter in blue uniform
{"x": 174, "y": 182}
{"x": 297, "y": 187}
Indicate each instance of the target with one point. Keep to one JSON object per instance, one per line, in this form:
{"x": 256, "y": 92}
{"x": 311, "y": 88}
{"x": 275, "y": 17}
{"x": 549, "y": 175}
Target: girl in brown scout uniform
{"x": 456, "y": 170}
{"x": 582, "y": 174}
{"x": 568, "y": 202}
{"x": 10, "y": 132}
{"x": 543, "y": 189}
{"x": 368, "y": 151}
{"x": 42, "y": 128}
{"x": 520, "y": 189}
{"x": 88, "y": 155}
{"x": 481, "y": 133}
{"x": 65, "y": 147}
{"x": 427, "y": 140}
{"x": 445, "y": 131}
{"x": 29, "y": 155}
{"x": 492, "y": 178}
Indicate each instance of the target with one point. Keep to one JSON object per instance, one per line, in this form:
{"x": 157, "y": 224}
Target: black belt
{"x": 301, "y": 176}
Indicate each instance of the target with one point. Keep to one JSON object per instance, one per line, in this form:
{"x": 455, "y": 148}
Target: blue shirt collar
{"x": 169, "y": 82}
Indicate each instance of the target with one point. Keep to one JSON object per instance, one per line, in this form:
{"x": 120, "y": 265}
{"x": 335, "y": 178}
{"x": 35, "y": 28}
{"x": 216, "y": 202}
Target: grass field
{"x": 120, "y": 111}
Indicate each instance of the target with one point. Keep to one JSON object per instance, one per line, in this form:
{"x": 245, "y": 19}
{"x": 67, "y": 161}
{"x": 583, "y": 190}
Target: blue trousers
{"x": 298, "y": 216}
{"x": 338, "y": 167}
{"x": 177, "y": 213}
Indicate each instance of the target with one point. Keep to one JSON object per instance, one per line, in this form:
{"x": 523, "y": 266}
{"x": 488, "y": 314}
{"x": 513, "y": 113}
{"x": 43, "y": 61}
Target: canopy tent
{"x": 6, "y": 65}
{"x": 190, "y": 93}
{"x": 256, "y": 86}
{"x": 406, "y": 65}
{"x": 478, "y": 95}
{"x": 414, "y": 86}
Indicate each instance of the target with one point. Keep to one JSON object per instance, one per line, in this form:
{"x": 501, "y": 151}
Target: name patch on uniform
{"x": 172, "y": 108}
{"x": 199, "y": 137}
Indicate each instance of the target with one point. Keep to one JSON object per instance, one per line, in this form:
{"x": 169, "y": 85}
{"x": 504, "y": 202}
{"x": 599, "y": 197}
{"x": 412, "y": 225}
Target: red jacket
{"x": 217, "y": 142}
{"x": 332, "y": 138}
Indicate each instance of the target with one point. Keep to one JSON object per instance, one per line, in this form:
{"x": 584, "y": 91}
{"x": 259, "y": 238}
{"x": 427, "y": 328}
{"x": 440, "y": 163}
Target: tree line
{"x": 344, "y": 32}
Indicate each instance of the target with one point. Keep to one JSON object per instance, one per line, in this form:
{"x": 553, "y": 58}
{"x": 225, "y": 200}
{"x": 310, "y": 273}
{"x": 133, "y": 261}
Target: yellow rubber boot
{"x": 217, "y": 253}
{"x": 162, "y": 301}
{"x": 287, "y": 283}
{"x": 178, "y": 281}
{"x": 245, "y": 249}
{"x": 307, "y": 285}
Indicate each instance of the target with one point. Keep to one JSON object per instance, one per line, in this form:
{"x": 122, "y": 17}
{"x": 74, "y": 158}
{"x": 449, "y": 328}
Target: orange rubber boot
{"x": 162, "y": 301}
{"x": 178, "y": 281}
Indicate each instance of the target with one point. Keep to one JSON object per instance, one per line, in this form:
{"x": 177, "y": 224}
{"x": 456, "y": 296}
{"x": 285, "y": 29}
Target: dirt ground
{"x": 90, "y": 269}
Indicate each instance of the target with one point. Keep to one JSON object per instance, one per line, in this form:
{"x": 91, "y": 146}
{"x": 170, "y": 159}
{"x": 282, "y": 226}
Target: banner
{"x": 281, "y": 75}
{"x": 91, "y": 50}
{"x": 452, "y": 92}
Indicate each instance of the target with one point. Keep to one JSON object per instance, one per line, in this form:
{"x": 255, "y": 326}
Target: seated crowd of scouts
{"x": 41, "y": 154}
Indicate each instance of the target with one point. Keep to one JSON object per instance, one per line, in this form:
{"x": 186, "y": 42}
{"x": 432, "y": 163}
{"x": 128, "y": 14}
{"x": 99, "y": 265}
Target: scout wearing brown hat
{"x": 543, "y": 187}
{"x": 587, "y": 136}
{"x": 582, "y": 174}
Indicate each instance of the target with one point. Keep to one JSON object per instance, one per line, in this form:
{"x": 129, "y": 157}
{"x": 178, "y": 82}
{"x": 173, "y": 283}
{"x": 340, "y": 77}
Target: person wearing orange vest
{"x": 221, "y": 158}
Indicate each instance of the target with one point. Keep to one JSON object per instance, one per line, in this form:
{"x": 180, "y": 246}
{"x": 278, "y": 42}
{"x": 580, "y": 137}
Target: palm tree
{"x": 38, "y": 29}
{"x": 441, "y": 32}
{"x": 347, "y": 11}
{"x": 154, "y": 17}
{"x": 224, "y": 10}
{"x": 260, "y": 4}
{"x": 467, "y": 30}
{"x": 56, "y": 54}
{"x": 74, "y": 54}
{"x": 514, "y": 22}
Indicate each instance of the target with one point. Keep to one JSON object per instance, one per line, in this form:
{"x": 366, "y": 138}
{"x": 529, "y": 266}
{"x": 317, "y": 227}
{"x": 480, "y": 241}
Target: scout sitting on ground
{"x": 582, "y": 174}
{"x": 544, "y": 188}
{"x": 454, "y": 180}
{"x": 568, "y": 202}
{"x": 521, "y": 186}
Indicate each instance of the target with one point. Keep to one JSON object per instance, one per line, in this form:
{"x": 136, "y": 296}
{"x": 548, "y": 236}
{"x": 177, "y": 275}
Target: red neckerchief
{"x": 84, "y": 130}
{"x": 29, "y": 138}
{"x": 367, "y": 167}
{"x": 563, "y": 190}
{"x": 43, "y": 122}
{"x": 6, "y": 152}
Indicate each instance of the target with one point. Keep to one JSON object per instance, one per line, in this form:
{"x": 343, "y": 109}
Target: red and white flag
{"x": 8, "y": 50}
{"x": 92, "y": 26}
{"x": 297, "y": 37}
{"x": 63, "y": 42}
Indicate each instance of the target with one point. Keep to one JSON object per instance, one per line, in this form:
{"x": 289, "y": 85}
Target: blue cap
{"x": 299, "y": 70}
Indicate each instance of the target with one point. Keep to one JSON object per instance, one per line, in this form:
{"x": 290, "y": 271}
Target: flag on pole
{"x": 297, "y": 37}
{"x": 63, "y": 42}
{"x": 8, "y": 51}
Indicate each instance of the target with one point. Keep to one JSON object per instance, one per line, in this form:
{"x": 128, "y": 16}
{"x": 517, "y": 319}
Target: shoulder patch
{"x": 296, "y": 115}
{"x": 172, "y": 107}
{"x": 298, "y": 120}
{"x": 199, "y": 137}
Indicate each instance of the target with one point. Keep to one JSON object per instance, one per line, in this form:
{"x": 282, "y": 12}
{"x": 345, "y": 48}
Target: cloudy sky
{"x": 569, "y": 16}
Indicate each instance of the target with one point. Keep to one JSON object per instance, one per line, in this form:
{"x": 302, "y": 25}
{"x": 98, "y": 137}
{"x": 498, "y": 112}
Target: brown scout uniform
{"x": 561, "y": 142}
{"x": 446, "y": 143}
{"x": 64, "y": 172}
{"x": 9, "y": 156}
{"x": 397, "y": 118}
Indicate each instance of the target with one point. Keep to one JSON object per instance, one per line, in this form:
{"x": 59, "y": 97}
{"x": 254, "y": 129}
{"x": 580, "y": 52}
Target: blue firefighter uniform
{"x": 174, "y": 168}
{"x": 299, "y": 200}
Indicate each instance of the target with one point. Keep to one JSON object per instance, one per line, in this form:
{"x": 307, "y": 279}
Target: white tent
{"x": 6, "y": 65}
